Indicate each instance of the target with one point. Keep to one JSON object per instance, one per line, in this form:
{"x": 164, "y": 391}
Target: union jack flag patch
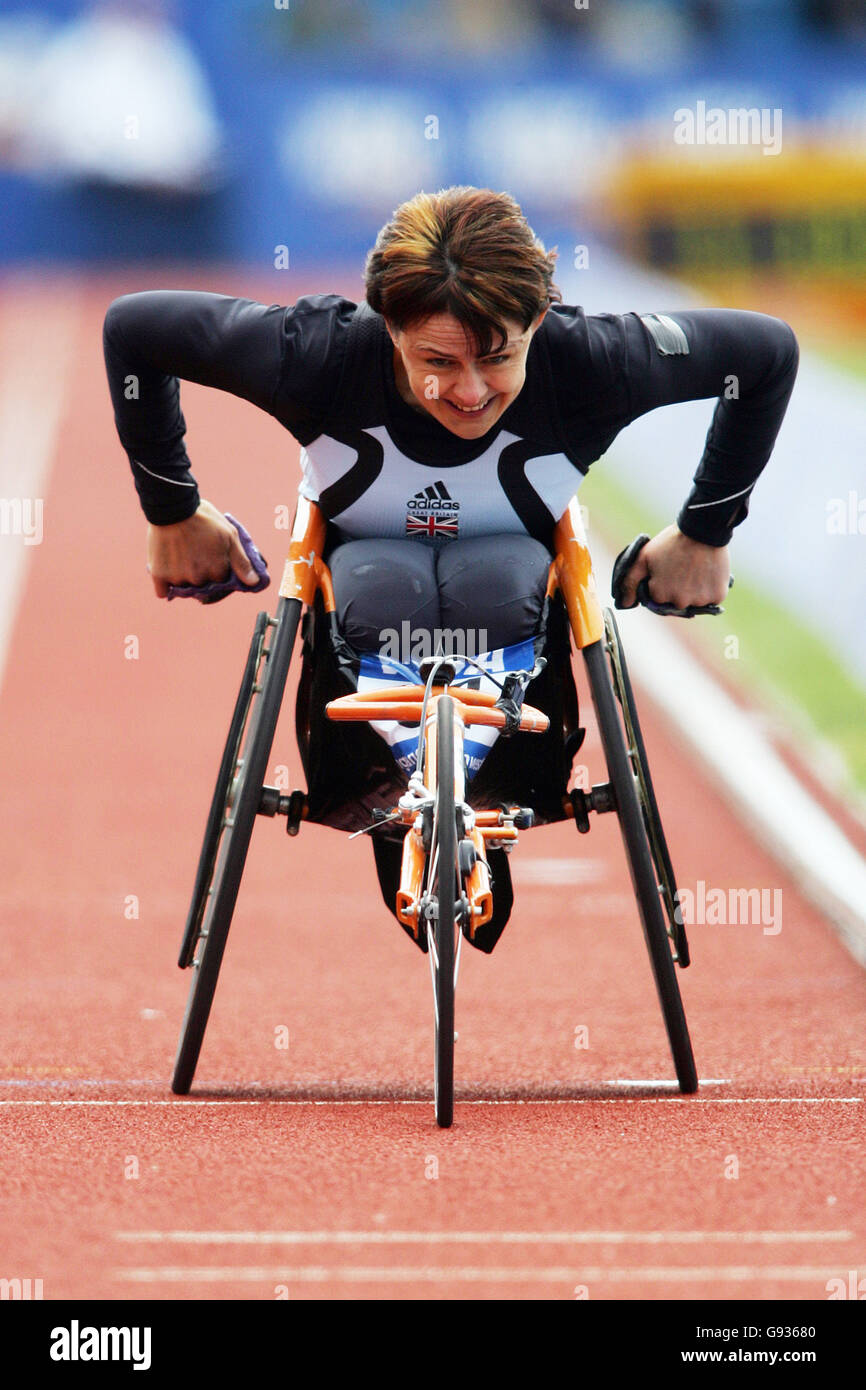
{"x": 431, "y": 526}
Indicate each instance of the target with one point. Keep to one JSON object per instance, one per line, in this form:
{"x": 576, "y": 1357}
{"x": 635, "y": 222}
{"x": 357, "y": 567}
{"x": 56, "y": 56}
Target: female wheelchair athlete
{"x": 449, "y": 827}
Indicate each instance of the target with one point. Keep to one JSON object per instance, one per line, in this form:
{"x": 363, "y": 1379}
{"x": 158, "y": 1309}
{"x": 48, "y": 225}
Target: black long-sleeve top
{"x": 587, "y": 377}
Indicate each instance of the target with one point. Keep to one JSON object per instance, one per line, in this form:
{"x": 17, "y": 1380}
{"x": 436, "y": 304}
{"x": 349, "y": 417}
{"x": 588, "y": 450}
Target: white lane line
{"x": 553, "y": 873}
{"x": 484, "y": 1237}
{"x": 190, "y": 1103}
{"x": 38, "y": 325}
{"x": 71, "y": 1083}
{"x": 729, "y": 744}
{"x": 495, "y": 1274}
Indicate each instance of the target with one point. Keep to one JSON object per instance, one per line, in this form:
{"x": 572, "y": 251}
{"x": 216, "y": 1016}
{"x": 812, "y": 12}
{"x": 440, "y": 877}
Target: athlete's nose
{"x": 470, "y": 387}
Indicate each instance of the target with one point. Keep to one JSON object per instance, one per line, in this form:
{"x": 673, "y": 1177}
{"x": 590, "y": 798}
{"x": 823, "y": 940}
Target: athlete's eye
{"x": 495, "y": 361}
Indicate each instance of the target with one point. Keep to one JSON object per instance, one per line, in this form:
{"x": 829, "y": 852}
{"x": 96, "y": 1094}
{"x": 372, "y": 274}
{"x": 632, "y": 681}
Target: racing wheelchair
{"x": 449, "y": 832}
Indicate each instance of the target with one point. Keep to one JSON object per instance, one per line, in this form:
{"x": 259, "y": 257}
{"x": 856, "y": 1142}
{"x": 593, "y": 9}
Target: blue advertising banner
{"x": 235, "y": 132}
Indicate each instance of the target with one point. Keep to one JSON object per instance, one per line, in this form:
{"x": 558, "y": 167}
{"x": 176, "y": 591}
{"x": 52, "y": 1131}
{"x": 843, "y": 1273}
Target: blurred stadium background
{"x": 257, "y": 143}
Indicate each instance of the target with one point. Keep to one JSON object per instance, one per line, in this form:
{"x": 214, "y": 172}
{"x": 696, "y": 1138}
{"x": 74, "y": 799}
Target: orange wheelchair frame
{"x": 445, "y": 888}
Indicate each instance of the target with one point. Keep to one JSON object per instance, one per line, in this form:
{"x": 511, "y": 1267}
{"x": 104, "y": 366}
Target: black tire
{"x": 640, "y": 864}
{"x": 234, "y": 844}
{"x": 649, "y": 805}
{"x": 444, "y": 884}
{"x": 218, "y": 807}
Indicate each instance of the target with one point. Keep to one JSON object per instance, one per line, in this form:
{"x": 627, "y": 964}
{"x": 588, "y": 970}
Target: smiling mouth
{"x": 469, "y": 411}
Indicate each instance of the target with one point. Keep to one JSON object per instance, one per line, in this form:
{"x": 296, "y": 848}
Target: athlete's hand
{"x": 205, "y": 547}
{"x": 680, "y": 571}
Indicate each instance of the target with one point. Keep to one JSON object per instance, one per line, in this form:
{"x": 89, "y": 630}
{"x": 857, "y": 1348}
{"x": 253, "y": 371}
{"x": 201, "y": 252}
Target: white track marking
{"x": 191, "y": 1103}
{"x": 484, "y": 1237}
{"x": 552, "y": 873}
{"x": 557, "y": 1274}
{"x": 727, "y": 741}
{"x": 38, "y": 324}
{"x": 71, "y": 1076}
{"x": 71, "y": 1082}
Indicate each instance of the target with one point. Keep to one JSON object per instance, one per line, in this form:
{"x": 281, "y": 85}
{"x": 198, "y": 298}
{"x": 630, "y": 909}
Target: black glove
{"x": 623, "y": 563}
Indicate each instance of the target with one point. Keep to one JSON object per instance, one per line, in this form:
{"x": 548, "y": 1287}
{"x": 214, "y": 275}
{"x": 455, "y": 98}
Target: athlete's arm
{"x": 153, "y": 339}
{"x": 748, "y": 361}
{"x": 281, "y": 359}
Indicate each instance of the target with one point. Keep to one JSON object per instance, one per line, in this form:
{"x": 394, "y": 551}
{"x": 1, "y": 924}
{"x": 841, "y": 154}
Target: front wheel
{"x": 442, "y": 895}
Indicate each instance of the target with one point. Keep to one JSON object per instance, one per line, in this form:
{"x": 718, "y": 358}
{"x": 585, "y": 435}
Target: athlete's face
{"x": 437, "y": 370}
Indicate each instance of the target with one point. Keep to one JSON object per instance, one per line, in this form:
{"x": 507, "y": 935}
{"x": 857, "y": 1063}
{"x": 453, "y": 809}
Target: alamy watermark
{"x": 417, "y": 644}
{"x": 846, "y": 516}
{"x": 730, "y": 907}
{"x": 854, "y": 1287}
{"x": 22, "y": 516}
{"x": 20, "y": 1289}
{"x": 77, "y": 1343}
{"x": 739, "y": 125}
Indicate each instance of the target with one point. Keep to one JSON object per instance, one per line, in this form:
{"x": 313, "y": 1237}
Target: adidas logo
{"x": 435, "y": 498}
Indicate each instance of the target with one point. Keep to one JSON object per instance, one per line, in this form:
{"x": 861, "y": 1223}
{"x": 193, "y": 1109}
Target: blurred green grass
{"x": 780, "y": 661}
{"x": 850, "y": 360}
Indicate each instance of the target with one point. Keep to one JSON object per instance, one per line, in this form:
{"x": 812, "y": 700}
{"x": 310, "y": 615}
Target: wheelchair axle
{"x": 599, "y": 799}
{"x": 273, "y": 802}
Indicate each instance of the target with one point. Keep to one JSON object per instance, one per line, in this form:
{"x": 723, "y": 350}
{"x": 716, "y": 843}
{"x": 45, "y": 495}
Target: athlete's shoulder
{"x": 572, "y": 335}
{"x": 326, "y": 305}
{"x": 564, "y": 324}
{"x": 588, "y": 356}
{"x": 315, "y": 332}
{"x": 318, "y": 320}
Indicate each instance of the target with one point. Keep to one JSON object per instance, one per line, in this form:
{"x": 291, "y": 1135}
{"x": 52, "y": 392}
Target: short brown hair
{"x": 462, "y": 251}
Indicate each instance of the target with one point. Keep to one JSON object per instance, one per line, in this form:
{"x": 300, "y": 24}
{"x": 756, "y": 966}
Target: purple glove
{"x": 218, "y": 589}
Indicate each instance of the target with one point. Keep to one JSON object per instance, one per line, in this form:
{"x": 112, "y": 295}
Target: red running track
{"x": 316, "y": 1170}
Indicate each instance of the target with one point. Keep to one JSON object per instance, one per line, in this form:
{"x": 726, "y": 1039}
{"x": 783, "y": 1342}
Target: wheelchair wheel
{"x": 444, "y": 887}
{"x": 646, "y": 793}
{"x": 219, "y": 803}
{"x": 225, "y": 849}
{"x": 642, "y": 870}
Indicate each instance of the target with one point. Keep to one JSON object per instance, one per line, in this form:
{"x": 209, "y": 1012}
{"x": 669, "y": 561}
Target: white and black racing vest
{"x": 369, "y": 482}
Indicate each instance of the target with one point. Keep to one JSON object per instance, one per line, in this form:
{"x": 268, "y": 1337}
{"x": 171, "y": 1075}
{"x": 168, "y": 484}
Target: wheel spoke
{"x": 457, "y": 953}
